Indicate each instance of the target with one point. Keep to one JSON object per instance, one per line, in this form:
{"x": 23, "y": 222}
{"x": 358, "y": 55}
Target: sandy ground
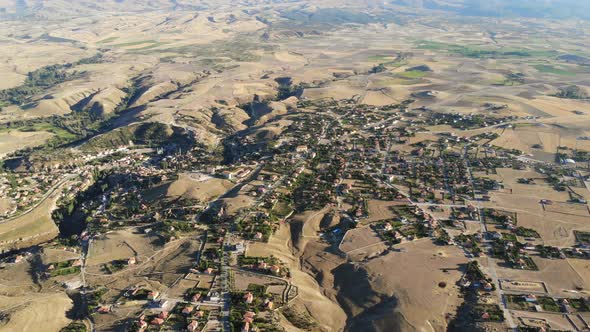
{"x": 413, "y": 287}
{"x": 32, "y": 313}
{"x": 556, "y": 322}
{"x": 369, "y": 293}
{"x": 16, "y": 280}
{"x": 120, "y": 245}
{"x": 363, "y": 240}
{"x": 16, "y": 140}
{"x": 554, "y": 223}
{"x": 201, "y": 189}
{"x": 27, "y": 305}
{"x": 560, "y": 276}
{"x": 380, "y": 210}
{"x": 582, "y": 267}
{"x": 548, "y": 137}
{"x": 234, "y": 204}
{"x": 54, "y": 255}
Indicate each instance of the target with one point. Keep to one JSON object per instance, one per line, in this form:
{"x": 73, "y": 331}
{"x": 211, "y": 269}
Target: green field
{"x": 412, "y": 74}
{"x": 38, "y": 127}
{"x": 482, "y": 52}
{"x": 553, "y": 70}
{"x": 59, "y": 132}
{"x": 380, "y": 58}
{"x": 548, "y": 304}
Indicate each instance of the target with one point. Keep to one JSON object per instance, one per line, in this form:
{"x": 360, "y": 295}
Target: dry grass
{"x": 121, "y": 244}
{"x": 522, "y": 286}
{"x": 380, "y": 210}
{"x": 418, "y": 270}
{"x": 555, "y": 223}
{"x": 32, "y": 312}
{"x": 16, "y": 140}
{"x": 203, "y": 190}
{"x": 362, "y": 240}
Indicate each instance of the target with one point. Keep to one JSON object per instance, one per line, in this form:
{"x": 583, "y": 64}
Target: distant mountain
{"x": 556, "y": 9}
{"x": 51, "y": 8}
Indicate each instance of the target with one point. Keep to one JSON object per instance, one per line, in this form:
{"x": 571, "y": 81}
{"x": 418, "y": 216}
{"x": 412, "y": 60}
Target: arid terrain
{"x": 331, "y": 165}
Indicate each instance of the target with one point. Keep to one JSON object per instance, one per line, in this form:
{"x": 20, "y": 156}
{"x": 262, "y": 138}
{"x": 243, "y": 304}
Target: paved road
{"x": 491, "y": 263}
{"x": 441, "y": 205}
{"x": 225, "y": 289}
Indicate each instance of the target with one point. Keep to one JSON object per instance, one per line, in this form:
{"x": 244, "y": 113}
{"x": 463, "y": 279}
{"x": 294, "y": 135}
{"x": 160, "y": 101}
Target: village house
{"x": 268, "y": 304}
{"x": 103, "y": 309}
{"x": 192, "y": 326}
{"x": 163, "y": 315}
{"x": 275, "y": 269}
{"x": 18, "y": 259}
{"x": 157, "y": 321}
{"x": 243, "y": 173}
{"x": 142, "y": 324}
{"x": 153, "y": 295}
{"x": 228, "y": 175}
{"x": 249, "y": 317}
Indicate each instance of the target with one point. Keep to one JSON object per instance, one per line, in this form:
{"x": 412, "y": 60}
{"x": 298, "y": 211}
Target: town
{"x": 290, "y": 166}
{"x": 172, "y": 237}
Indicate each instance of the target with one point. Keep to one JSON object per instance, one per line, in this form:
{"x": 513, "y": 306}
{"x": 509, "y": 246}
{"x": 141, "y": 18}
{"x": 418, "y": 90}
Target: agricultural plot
{"x": 523, "y": 286}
